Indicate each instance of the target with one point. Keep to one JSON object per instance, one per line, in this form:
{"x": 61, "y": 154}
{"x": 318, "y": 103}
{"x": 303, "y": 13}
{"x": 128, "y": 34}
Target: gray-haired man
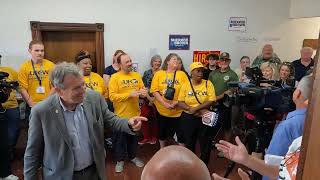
{"x": 66, "y": 130}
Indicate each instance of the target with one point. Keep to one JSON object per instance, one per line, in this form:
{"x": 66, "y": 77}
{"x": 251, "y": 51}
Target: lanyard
{"x": 173, "y": 81}
{"x": 167, "y": 80}
{"x": 36, "y": 74}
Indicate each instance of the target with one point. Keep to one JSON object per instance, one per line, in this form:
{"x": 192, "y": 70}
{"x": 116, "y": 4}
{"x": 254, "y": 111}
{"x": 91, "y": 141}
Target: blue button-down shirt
{"x": 77, "y": 127}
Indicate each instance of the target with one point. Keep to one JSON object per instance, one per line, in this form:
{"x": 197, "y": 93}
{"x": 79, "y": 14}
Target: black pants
{"x": 5, "y": 169}
{"x": 193, "y": 129}
{"x": 168, "y": 126}
{"x": 124, "y": 143}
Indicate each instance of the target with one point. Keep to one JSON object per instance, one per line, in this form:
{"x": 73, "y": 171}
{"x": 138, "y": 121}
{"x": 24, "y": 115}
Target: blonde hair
{"x": 274, "y": 67}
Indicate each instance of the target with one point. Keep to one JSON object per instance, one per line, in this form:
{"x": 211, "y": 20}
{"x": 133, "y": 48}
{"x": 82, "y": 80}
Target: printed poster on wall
{"x": 200, "y": 56}
{"x": 179, "y": 42}
{"x": 237, "y": 24}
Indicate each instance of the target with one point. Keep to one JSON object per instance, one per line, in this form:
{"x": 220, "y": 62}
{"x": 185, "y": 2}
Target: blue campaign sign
{"x": 179, "y": 42}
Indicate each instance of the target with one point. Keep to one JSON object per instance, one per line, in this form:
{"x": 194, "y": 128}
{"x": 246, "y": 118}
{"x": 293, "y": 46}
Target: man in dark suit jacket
{"x": 66, "y": 130}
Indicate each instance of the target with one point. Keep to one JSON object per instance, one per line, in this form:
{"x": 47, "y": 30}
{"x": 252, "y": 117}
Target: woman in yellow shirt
{"x": 195, "y": 98}
{"x": 168, "y": 112}
{"x": 93, "y": 80}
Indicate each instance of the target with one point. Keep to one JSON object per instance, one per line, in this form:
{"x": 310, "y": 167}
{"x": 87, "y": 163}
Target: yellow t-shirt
{"x": 120, "y": 87}
{"x": 205, "y": 92}
{"x": 29, "y": 82}
{"x": 159, "y": 84}
{"x": 95, "y": 82}
{"x": 12, "y": 100}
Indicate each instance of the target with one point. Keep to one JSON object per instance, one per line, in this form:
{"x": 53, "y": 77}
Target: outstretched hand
{"x": 237, "y": 153}
{"x": 135, "y": 122}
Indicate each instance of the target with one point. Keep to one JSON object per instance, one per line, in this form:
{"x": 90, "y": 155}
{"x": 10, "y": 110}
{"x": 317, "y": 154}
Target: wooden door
{"x": 63, "y": 46}
{"x": 63, "y": 40}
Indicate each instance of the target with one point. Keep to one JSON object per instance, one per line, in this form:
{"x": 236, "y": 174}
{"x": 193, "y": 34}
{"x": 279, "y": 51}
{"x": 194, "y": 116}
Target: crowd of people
{"x": 69, "y": 106}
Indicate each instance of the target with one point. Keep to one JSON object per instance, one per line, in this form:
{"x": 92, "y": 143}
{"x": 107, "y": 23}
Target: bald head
{"x": 306, "y": 53}
{"x": 175, "y": 162}
{"x": 267, "y": 51}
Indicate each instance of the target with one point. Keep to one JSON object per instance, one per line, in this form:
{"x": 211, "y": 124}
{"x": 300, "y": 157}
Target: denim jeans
{"x": 13, "y": 118}
{"x": 123, "y": 144}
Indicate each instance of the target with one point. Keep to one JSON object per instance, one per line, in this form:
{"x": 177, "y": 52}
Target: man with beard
{"x": 125, "y": 87}
{"x": 267, "y": 56}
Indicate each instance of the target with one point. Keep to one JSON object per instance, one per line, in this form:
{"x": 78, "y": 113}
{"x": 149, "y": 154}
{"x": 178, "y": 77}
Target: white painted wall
{"x": 304, "y": 8}
{"x": 140, "y": 25}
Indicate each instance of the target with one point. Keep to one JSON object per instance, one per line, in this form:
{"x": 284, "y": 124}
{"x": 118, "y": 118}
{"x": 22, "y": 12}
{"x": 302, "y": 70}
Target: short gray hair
{"x": 154, "y": 58}
{"x": 307, "y": 48}
{"x": 305, "y": 86}
{"x": 60, "y": 71}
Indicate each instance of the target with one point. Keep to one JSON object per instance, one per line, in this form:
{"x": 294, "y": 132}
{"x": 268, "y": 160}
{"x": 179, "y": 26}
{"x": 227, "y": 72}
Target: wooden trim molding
{"x": 54, "y": 26}
{"x": 38, "y": 27}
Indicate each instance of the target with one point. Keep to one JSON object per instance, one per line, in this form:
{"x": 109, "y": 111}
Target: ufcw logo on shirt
{"x": 40, "y": 73}
{"x": 93, "y": 84}
{"x": 199, "y": 93}
{"x": 130, "y": 81}
{"x": 169, "y": 81}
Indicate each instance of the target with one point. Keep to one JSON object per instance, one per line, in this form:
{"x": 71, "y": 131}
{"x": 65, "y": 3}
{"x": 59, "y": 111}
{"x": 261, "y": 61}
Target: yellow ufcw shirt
{"x": 12, "y": 100}
{"x": 29, "y": 82}
{"x": 121, "y": 85}
{"x": 159, "y": 84}
{"x": 204, "y": 91}
{"x": 95, "y": 82}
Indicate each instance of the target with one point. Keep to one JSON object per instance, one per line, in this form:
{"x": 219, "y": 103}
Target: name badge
{"x": 40, "y": 90}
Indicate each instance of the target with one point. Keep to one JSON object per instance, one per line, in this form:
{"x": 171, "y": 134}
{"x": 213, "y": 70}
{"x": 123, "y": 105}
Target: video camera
{"x": 260, "y": 101}
{"x": 255, "y": 96}
{"x": 5, "y": 84}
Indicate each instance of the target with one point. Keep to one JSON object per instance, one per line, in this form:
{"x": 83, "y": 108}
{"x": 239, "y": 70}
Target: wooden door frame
{"x": 309, "y": 156}
{"x": 38, "y": 27}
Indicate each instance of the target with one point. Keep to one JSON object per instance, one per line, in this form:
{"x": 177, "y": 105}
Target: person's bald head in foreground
{"x": 175, "y": 162}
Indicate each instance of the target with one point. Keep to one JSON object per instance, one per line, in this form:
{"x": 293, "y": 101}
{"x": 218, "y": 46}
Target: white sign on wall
{"x": 237, "y": 24}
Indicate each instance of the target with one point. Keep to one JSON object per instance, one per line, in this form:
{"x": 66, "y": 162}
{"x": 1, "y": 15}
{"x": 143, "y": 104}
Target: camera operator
{"x": 285, "y": 134}
{"x": 292, "y": 127}
{"x": 220, "y": 78}
{"x": 5, "y": 169}
{"x": 12, "y": 112}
